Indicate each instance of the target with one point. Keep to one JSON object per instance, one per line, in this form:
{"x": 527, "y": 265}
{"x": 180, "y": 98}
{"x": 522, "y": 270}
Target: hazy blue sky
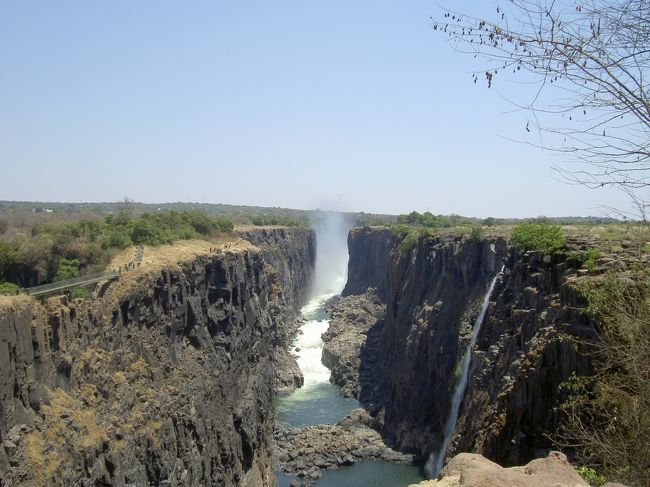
{"x": 355, "y": 105}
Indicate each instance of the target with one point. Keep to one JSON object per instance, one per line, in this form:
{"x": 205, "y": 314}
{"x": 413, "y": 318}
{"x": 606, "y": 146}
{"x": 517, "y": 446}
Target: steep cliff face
{"x": 293, "y": 273}
{"x": 433, "y": 292}
{"x": 369, "y": 251}
{"x": 295, "y": 269}
{"x": 168, "y": 382}
{"x": 521, "y": 358}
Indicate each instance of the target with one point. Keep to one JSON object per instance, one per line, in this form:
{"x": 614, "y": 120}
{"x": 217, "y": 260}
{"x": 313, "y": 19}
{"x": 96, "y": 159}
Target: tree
{"x": 595, "y": 55}
{"x": 606, "y": 418}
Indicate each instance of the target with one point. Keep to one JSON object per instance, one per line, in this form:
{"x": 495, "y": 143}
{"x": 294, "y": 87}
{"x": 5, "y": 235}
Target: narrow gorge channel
{"x": 319, "y": 402}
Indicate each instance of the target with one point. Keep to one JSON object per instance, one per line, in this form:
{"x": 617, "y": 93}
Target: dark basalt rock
{"x": 170, "y": 384}
{"x": 433, "y": 290}
{"x": 305, "y": 451}
{"x": 351, "y": 339}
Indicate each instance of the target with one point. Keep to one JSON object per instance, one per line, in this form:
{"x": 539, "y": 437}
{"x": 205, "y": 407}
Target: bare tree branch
{"x": 595, "y": 55}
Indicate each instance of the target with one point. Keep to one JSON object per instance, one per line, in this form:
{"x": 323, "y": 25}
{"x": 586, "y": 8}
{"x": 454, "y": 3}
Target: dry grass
{"x": 14, "y": 303}
{"x": 167, "y": 257}
{"x": 68, "y": 425}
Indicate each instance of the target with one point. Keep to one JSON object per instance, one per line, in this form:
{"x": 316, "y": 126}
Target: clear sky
{"x": 350, "y": 105}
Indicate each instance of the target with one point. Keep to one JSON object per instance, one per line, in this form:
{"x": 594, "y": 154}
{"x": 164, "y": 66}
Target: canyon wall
{"x": 522, "y": 357}
{"x": 433, "y": 290}
{"x": 164, "y": 380}
{"x": 369, "y": 252}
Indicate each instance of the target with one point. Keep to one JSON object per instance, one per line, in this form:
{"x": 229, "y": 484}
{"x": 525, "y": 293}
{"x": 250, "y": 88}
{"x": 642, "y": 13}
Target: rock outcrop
{"x": 169, "y": 383}
{"x": 472, "y": 470}
{"x": 348, "y": 351}
{"x": 306, "y": 451}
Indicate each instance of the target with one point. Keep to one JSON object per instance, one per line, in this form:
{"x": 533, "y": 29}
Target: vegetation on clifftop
{"x": 285, "y": 221}
{"x": 538, "y": 236}
{"x": 48, "y": 252}
{"x": 607, "y": 416}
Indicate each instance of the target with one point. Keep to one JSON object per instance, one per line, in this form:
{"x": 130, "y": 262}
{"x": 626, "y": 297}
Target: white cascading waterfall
{"x": 310, "y": 343}
{"x": 437, "y": 457}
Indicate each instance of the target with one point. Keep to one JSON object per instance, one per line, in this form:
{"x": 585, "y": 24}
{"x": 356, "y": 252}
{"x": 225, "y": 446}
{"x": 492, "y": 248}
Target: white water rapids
{"x": 437, "y": 457}
{"x": 309, "y": 342}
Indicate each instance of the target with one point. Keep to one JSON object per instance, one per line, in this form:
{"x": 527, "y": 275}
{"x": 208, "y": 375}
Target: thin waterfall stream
{"x": 437, "y": 457}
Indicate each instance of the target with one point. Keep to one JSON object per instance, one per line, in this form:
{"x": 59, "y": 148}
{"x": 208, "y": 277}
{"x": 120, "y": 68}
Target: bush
{"x": 430, "y": 220}
{"x": 8, "y": 288}
{"x": 80, "y": 293}
{"x": 285, "y": 221}
{"x": 143, "y": 231}
{"x": 68, "y": 268}
{"x": 8, "y": 258}
{"x": 117, "y": 238}
{"x": 490, "y": 221}
{"x": 606, "y": 419}
{"x": 538, "y": 236}
{"x": 586, "y": 258}
{"x": 591, "y": 476}
{"x": 476, "y": 235}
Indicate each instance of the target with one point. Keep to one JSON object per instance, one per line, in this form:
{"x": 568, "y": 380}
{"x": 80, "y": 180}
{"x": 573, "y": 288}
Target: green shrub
{"x": 80, "y": 293}
{"x": 476, "y": 234}
{"x": 276, "y": 220}
{"x": 8, "y": 257}
{"x": 117, "y": 238}
{"x": 586, "y": 258}
{"x": 401, "y": 230}
{"x": 430, "y": 220}
{"x": 606, "y": 417}
{"x": 8, "y": 288}
{"x": 490, "y": 221}
{"x": 591, "y": 476}
{"x": 68, "y": 268}
{"x": 408, "y": 241}
{"x": 538, "y": 236}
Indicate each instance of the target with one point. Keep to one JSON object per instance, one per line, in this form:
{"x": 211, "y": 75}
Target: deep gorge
{"x": 170, "y": 380}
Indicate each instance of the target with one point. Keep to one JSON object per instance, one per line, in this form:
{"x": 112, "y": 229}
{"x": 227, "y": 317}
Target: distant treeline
{"x": 239, "y": 214}
{"x": 430, "y": 220}
{"x": 286, "y": 221}
{"x": 47, "y": 252}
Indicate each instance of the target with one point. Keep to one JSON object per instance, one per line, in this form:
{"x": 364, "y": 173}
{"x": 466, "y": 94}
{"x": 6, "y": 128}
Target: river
{"x": 319, "y": 402}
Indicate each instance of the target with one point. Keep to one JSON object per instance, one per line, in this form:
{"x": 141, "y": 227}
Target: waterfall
{"x": 434, "y": 463}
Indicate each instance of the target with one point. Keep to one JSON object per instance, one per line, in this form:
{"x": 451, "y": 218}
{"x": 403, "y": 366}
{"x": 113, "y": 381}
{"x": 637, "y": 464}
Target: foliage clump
{"x": 586, "y": 258}
{"x": 430, "y": 220}
{"x": 54, "y": 251}
{"x": 278, "y": 220}
{"x": 8, "y": 288}
{"x": 606, "y": 419}
{"x": 476, "y": 234}
{"x": 538, "y": 236}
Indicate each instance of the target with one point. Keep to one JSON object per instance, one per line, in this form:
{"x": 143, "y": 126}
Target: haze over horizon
{"x": 351, "y": 107}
